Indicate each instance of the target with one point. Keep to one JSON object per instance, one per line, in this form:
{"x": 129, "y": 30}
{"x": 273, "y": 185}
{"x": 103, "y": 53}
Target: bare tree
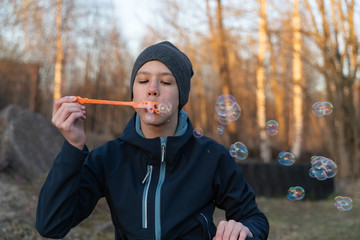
{"x": 298, "y": 83}
{"x": 336, "y": 39}
{"x": 219, "y": 40}
{"x": 265, "y": 152}
{"x": 59, "y": 51}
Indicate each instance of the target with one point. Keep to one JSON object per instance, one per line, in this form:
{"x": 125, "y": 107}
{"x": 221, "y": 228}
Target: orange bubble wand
{"x": 152, "y": 107}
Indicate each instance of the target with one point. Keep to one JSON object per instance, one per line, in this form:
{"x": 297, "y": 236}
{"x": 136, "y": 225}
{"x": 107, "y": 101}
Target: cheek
{"x": 175, "y": 99}
{"x": 136, "y": 91}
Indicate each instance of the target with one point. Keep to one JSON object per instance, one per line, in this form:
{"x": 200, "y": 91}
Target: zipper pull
{"x": 163, "y": 146}
{"x": 162, "y": 153}
{"x": 147, "y": 174}
{"x": 146, "y": 177}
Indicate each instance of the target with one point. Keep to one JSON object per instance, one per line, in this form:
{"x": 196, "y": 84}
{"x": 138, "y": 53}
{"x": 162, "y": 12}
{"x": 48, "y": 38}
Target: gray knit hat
{"x": 178, "y": 63}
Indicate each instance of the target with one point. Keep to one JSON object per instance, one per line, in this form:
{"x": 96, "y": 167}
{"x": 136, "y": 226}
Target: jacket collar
{"x": 181, "y": 128}
{"x": 151, "y": 147}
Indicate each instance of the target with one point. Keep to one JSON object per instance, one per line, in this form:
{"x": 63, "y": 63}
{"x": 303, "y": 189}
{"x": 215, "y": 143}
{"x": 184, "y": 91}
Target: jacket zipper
{"x": 158, "y": 190}
{"x": 146, "y": 181}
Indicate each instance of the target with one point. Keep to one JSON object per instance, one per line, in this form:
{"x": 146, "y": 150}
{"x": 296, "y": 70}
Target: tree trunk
{"x": 265, "y": 151}
{"x": 223, "y": 63}
{"x": 59, "y": 52}
{"x": 298, "y": 83}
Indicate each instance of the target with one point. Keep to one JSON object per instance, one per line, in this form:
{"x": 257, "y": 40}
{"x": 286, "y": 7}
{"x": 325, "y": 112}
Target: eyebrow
{"x": 149, "y": 73}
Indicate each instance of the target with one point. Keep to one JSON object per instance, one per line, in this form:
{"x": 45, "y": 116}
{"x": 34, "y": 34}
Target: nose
{"x": 153, "y": 90}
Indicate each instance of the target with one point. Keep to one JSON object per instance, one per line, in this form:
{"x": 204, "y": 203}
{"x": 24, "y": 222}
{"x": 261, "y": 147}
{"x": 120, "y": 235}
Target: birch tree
{"x": 265, "y": 152}
{"x": 59, "y": 52}
{"x": 298, "y": 84}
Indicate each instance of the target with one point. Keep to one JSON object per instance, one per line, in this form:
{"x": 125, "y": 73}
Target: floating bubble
{"x": 312, "y": 172}
{"x": 296, "y": 193}
{"x": 227, "y": 109}
{"x": 320, "y": 174}
{"x": 314, "y": 159}
{"x": 323, "y": 168}
{"x": 343, "y": 203}
{"x": 235, "y": 113}
{"x": 223, "y": 120}
{"x": 328, "y": 108}
{"x": 198, "y": 132}
{"x": 224, "y": 103}
{"x": 220, "y": 129}
{"x": 331, "y": 168}
{"x": 239, "y": 151}
{"x": 272, "y": 127}
{"x": 320, "y": 109}
{"x": 286, "y": 158}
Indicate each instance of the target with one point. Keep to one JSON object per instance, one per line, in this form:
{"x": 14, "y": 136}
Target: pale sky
{"x": 134, "y": 15}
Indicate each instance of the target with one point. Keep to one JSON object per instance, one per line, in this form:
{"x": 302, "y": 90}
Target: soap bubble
{"x": 272, "y": 127}
{"x": 227, "y": 109}
{"x": 322, "y": 168}
{"x": 239, "y": 151}
{"x": 224, "y": 103}
{"x": 313, "y": 159}
{"x": 224, "y": 120}
{"x": 220, "y": 129}
{"x": 343, "y": 203}
{"x": 296, "y": 193}
{"x": 164, "y": 108}
{"x": 312, "y": 172}
{"x": 235, "y": 113}
{"x": 320, "y": 109}
{"x": 198, "y": 132}
{"x": 328, "y": 108}
{"x": 286, "y": 158}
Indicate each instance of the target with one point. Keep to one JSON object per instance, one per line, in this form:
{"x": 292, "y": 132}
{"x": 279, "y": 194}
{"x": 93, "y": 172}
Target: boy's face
{"x": 155, "y": 82}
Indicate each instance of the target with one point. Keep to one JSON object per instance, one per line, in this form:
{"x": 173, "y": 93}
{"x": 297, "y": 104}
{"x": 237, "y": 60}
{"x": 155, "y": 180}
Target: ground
{"x": 299, "y": 220}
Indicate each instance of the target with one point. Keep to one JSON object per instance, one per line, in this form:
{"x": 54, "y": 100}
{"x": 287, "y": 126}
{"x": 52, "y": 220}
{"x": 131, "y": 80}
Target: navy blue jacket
{"x": 161, "y": 188}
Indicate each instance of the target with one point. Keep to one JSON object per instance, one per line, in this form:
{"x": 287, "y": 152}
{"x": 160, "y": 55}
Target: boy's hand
{"x": 68, "y": 117}
{"x": 232, "y": 230}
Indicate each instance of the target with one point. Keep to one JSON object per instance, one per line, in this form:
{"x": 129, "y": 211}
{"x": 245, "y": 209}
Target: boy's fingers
{"x": 66, "y": 125}
{"x": 60, "y": 101}
{"x": 220, "y": 230}
{"x": 65, "y": 111}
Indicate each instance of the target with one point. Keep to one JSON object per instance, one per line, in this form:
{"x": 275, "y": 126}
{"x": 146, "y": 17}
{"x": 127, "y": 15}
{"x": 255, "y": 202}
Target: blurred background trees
{"x": 276, "y": 57}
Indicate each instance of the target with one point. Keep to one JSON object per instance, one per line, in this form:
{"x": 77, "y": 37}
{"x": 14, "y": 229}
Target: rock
{"x": 28, "y": 143}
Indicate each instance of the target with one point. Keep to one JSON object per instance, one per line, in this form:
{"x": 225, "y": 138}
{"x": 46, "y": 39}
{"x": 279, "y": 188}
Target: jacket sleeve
{"x": 234, "y": 195}
{"x": 69, "y": 194}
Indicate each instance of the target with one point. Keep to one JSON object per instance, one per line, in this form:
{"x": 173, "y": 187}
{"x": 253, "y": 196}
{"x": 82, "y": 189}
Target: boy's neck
{"x": 163, "y": 130}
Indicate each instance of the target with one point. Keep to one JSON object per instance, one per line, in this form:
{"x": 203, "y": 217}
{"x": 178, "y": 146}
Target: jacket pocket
{"x": 207, "y": 226}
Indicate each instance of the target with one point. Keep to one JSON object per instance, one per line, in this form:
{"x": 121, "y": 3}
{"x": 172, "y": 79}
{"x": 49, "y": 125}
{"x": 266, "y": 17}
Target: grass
{"x": 310, "y": 220}
{"x": 298, "y": 220}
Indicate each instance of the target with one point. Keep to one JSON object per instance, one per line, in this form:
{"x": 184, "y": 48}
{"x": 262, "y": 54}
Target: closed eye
{"x": 143, "y": 81}
{"x": 166, "y": 83}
